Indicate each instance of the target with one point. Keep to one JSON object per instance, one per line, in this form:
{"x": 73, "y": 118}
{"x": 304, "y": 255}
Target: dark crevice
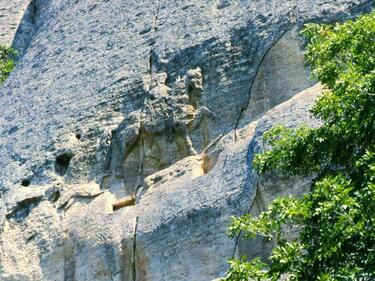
{"x": 65, "y": 205}
{"x": 253, "y": 199}
{"x": 25, "y": 182}
{"x": 142, "y": 164}
{"x": 69, "y": 261}
{"x": 294, "y": 13}
{"x": 243, "y": 109}
{"x": 248, "y": 212}
{"x": 110, "y": 254}
{"x": 24, "y": 207}
{"x": 237, "y": 239}
{"x": 55, "y": 196}
{"x": 26, "y": 28}
{"x": 135, "y": 249}
{"x": 154, "y": 30}
{"x": 29, "y": 239}
{"x": 62, "y": 163}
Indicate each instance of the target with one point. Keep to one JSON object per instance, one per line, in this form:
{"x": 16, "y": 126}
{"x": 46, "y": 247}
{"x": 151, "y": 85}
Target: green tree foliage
{"x": 336, "y": 219}
{"x": 7, "y": 56}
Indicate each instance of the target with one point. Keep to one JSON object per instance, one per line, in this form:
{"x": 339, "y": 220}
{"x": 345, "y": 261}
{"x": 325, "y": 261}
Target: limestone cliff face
{"x": 128, "y": 128}
{"x": 11, "y": 13}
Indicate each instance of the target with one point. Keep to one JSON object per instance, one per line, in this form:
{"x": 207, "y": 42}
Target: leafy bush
{"x": 336, "y": 219}
{"x": 7, "y": 56}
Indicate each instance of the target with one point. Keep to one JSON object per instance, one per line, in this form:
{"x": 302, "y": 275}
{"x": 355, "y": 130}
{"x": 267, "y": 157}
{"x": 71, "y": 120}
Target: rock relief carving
{"x": 168, "y": 117}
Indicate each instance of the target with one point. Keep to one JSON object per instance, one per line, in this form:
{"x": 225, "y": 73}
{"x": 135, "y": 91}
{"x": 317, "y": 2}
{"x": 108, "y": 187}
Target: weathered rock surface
{"x": 11, "y": 13}
{"x": 128, "y": 128}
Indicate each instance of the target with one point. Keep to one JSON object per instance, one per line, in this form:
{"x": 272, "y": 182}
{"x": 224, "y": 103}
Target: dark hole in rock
{"x": 25, "y": 182}
{"x": 55, "y": 196}
{"x": 157, "y": 179}
{"x": 62, "y": 163}
{"x": 24, "y": 207}
{"x": 30, "y": 238}
{"x": 78, "y": 136}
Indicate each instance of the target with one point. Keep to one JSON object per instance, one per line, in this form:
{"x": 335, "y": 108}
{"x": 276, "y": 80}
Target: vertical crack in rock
{"x": 248, "y": 212}
{"x": 69, "y": 263}
{"x": 142, "y": 165}
{"x": 135, "y": 249}
{"x": 294, "y": 13}
{"x": 110, "y": 260}
{"x": 252, "y": 83}
{"x": 253, "y": 199}
{"x": 154, "y": 30}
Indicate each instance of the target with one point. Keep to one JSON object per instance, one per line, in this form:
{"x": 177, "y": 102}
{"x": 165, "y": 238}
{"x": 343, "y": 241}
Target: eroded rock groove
{"x": 242, "y": 110}
{"x": 135, "y": 249}
{"x": 237, "y": 239}
{"x": 153, "y": 37}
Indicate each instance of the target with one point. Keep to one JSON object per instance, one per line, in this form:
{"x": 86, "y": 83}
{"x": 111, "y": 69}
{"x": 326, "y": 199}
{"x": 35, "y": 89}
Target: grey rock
{"x": 164, "y": 102}
{"x": 11, "y": 13}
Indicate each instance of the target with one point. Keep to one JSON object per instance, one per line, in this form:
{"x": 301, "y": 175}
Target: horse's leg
{"x": 189, "y": 145}
{"x": 200, "y": 113}
{"x": 183, "y": 132}
{"x": 125, "y": 138}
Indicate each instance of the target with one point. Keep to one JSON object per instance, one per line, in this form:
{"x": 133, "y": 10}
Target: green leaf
{"x": 335, "y": 220}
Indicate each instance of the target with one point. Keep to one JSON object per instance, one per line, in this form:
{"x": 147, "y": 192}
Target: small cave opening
{"x": 62, "y": 163}
{"x": 78, "y": 136}
{"x": 190, "y": 89}
{"x": 55, "y": 196}
{"x": 25, "y": 182}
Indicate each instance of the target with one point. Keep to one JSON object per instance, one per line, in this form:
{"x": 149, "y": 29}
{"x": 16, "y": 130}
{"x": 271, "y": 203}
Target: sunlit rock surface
{"x": 128, "y": 128}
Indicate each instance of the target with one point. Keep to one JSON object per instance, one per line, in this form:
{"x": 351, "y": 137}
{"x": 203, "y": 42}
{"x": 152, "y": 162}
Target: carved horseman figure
{"x": 166, "y": 111}
{"x": 188, "y": 115}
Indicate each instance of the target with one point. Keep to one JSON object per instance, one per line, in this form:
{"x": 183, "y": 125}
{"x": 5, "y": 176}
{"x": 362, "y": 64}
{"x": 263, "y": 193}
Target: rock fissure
{"x": 125, "y": 85}
{"x": 69, "y": 265}
{"x": 294, "y": 13}
{"x": 164, "y": 124}
{"x": 25, "y": 182}
{"x": 247, "y": 212}
{"x": 153, "y": 37}
{"x": 27, "y": 28}
{"x": 62, "y": 163}
{"x": 67, "y": 203}
{"x": 24, "y": 207}
{"x": 142, "y": 165}
{"x": 135, "y": 249}
{"x": 242, "y": 110}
